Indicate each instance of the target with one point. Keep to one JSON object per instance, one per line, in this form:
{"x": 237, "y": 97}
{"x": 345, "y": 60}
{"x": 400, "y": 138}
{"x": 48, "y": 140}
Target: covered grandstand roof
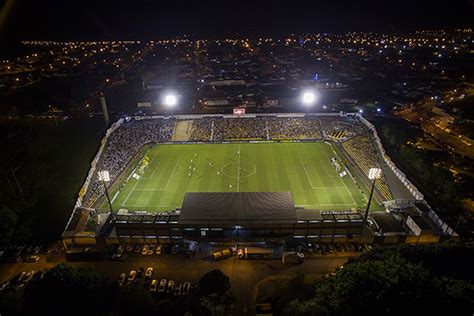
{"x": 237, "y": 208}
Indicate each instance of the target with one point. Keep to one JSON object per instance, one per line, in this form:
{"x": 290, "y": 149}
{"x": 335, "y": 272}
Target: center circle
{"x": 247, "y": 169}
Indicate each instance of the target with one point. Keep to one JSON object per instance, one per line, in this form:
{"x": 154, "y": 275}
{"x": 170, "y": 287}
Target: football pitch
{"x": 304, "y": 169}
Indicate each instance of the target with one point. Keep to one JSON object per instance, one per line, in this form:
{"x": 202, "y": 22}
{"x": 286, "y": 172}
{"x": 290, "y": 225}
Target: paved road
{"x": 244, "y": 274}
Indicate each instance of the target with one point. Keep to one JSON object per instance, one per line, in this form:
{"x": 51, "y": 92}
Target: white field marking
{"x": 172, "y": 173}
{"x": 136, "y": 183}
{"x": 116, "y": 194}
{"x": 328, "y": 188}
{"x": 130, "y": 193}
{"x": 149, "y": 206}
{"x": 331, "y": 204}
{"x": 149, "y": 189}
{"x": 306, "y": 171}
{"x": 238, "y": 171}
{"x": 340, "y": 179}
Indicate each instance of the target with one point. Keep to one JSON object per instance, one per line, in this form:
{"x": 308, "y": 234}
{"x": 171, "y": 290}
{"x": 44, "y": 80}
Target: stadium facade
{"x": 256, "y": 216}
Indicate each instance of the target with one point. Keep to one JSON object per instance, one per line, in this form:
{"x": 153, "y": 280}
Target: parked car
{"x": 186, "y": 288}
{"x": 145, "y": 250}
{"x": 149, "y": 273}
{"x": 19, "y": 277}
{"x": 4, "y": 285}
{"x": 28, "y": 276}
{"x": 158, "y": 250}
{"x": 166, "y": 248}
{"x": 120, "y": 249}
{"x": 32, "y": 258}
{"x": 129, "y": 248}
{"x": 162, "y": 286}
{"x": 119, "y": 257}
{"x": 137, "y": 249}
{"x": 121, "y": 279}
{"x": 132, "y": 275}
{"x": 153, "y": 285}
{"x": 140, "y": 272}
{"x": 36, "y": 250}
{"x": 177, "y": 289}
{"x": 176, "y": 249}
{"x": 170, "y": 287}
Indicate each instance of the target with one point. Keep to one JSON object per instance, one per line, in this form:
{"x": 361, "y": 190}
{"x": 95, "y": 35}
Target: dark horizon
{"x": 146, "y": 20}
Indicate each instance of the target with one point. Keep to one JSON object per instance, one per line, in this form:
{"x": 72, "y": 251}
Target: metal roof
{"x": 237, "y": 208}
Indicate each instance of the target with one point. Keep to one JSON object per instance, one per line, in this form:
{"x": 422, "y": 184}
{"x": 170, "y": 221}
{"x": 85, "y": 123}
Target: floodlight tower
{"x": 104, "y": 177}
{"x": 308, "y": 98}
{"x": 170, "y": 100}
{"x": 374, "y": 174}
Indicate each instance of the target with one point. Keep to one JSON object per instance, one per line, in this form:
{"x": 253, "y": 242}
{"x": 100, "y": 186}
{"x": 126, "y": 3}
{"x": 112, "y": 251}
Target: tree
{"x": 395, "y": 281}
{"x": 68, "y": 290}
{"x": 213, "y": 305}
{"x": 214, "y": 281}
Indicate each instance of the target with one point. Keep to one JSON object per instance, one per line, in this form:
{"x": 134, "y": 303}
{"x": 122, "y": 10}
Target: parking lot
{"x": 179, "y": 268}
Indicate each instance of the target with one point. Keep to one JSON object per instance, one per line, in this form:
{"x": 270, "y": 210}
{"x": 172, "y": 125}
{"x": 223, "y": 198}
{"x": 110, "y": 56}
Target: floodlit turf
{"x": 302, "y": 168}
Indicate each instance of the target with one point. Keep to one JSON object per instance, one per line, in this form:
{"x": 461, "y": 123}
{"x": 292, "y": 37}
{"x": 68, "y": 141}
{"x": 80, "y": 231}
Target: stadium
{"x": 248, "y": 178}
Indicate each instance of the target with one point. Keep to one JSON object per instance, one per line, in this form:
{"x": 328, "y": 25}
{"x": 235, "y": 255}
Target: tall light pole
{"x": 104, "y": 176}
{"x": 374, "y": 174}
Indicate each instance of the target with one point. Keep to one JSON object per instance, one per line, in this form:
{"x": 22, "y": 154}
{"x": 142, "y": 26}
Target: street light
{"x": 104, "y": 176}
{"x": 374, "y": 174}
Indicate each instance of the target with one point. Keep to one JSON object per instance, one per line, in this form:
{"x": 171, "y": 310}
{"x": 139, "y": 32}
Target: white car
{"x": 33, "y": 258}
{"x": 162, "y": 287}
{"x": 149, "y": 273}
{"x": 186, "y": 288}
{"x": 153, "y": 285}
{"x": 120, "y": 249}
{"x": 122, "y": 279}
{"x": 132, "y": 275}
{"x": 145, "y": 250}
{"x": 28, "y": 276}
{"x": 170, "y": 287}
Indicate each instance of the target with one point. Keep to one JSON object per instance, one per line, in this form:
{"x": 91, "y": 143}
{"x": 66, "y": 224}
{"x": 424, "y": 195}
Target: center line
{"x": 238, "y": 170}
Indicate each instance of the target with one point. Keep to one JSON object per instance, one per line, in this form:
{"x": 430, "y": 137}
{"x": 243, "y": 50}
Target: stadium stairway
{"x": 182, "y": 131}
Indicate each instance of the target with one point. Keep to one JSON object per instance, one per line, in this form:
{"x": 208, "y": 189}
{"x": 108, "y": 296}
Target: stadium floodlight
{"x": 374, "y": 174}
{"x": 170, "y": 100}
{"x": 309, "y": 97}
{"x": 104, "y": 176}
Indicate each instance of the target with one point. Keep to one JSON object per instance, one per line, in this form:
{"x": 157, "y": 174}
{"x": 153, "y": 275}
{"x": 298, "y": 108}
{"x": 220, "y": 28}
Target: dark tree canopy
{"x": 394, "y": 281}
{"x": 214, "y": 282}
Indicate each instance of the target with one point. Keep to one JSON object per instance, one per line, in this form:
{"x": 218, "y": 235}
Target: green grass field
{"x": 302, "y": 168}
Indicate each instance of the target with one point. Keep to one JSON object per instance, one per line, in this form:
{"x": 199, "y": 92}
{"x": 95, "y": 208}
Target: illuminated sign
{"x": 238, "y": 111}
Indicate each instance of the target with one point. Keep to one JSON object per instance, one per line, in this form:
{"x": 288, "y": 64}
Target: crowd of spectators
{"x": 240, "y": 128}
{"x": 124, "y": 143}
{"x": 294, "y": 128}
{"x": 200, "y": 130}
{"x": 364, "y": 152}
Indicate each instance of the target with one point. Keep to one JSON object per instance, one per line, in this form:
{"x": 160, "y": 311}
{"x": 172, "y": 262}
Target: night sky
{"x": 138, "y": 19}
